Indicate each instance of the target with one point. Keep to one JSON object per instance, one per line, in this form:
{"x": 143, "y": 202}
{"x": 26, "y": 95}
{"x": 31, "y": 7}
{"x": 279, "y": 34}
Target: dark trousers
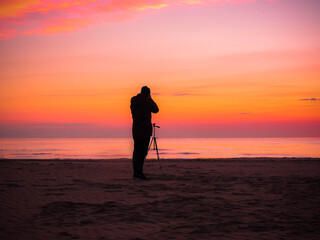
{"x": 139, "y": 153}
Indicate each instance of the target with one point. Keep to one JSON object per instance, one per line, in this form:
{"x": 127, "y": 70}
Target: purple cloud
{"x": 310, "y": 99}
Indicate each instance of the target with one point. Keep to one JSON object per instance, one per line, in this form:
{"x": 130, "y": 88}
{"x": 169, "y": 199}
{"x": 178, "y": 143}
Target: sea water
{"x": 169, "y": 148}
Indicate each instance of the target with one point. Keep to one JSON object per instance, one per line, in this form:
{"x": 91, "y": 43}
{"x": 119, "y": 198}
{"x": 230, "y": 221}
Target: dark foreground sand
{"x": 190, "y": 199}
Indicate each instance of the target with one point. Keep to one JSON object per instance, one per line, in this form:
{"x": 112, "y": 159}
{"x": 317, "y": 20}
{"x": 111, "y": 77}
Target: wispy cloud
{"x": 60, "y": 124}
{"x": 183, "y": 94}
{"x": 310, "y": 99}
{"x": 177, "y": 94}
{"x": 63, "y": 16}
{"x": 76, "y": 95}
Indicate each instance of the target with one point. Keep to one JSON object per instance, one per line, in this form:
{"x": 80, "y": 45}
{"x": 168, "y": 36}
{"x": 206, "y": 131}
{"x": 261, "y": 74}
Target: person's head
{"x": 145, "y": 91}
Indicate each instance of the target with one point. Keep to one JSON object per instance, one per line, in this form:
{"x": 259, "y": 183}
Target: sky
{"x": 216, "y": 68}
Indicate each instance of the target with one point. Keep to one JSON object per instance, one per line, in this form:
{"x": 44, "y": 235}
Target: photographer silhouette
{"x": 142, "y": 105}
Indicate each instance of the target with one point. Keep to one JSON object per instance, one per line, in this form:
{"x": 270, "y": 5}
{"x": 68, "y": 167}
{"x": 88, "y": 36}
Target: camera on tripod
{"x": 154, "y": 129}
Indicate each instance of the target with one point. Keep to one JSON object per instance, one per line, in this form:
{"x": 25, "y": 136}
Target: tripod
{"x": 154, "y": 142}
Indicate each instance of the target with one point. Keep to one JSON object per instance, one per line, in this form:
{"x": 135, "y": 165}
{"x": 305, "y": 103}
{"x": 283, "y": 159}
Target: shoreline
{"x": 171, "y": 159}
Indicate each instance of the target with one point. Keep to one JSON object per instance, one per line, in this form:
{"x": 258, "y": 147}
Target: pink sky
{"x": 239, "y": 68}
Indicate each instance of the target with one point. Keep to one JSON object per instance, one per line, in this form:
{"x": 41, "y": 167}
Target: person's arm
{"x": 153, "y": 106}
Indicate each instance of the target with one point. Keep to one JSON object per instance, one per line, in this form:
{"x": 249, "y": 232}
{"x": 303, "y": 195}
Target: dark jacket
{"x": 141, "y": 108}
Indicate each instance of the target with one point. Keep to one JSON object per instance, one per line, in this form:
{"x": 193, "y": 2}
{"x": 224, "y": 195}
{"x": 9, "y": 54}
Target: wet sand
{"x": 258, "y": 198}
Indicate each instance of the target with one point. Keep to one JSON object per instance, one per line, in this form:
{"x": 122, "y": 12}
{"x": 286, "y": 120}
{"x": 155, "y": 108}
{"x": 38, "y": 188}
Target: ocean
{"x": 169, "y": 148}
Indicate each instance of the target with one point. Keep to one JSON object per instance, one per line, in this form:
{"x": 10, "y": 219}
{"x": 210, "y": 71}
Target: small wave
{"x": 268, "y": 154}
{"x": 187, "y": 153}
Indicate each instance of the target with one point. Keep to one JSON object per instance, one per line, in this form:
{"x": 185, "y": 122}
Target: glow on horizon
{"x": 215, "y": 67}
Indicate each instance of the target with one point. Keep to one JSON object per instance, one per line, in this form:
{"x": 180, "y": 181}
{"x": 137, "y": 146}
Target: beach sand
{"x": 259, "y": 198}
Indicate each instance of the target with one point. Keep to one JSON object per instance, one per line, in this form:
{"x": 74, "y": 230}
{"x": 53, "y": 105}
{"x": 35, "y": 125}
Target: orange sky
{"x": 215, "y": 68}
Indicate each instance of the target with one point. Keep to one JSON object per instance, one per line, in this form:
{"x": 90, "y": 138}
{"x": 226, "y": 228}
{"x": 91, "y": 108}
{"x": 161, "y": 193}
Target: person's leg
{"x": 136, "y": 157}
{"x": 144, "y": 151}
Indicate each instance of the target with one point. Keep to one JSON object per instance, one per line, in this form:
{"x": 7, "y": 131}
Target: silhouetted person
{"x": 141, "y": 107}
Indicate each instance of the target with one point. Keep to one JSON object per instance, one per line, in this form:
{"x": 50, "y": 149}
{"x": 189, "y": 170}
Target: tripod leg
{"x": 156, "y": 147}
{"x": 150, "y": 144}
{"x": 149, "y": 147}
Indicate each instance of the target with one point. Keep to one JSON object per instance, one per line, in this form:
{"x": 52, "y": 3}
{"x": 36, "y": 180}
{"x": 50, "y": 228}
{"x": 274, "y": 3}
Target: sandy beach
{"x": 257, "y": 198}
